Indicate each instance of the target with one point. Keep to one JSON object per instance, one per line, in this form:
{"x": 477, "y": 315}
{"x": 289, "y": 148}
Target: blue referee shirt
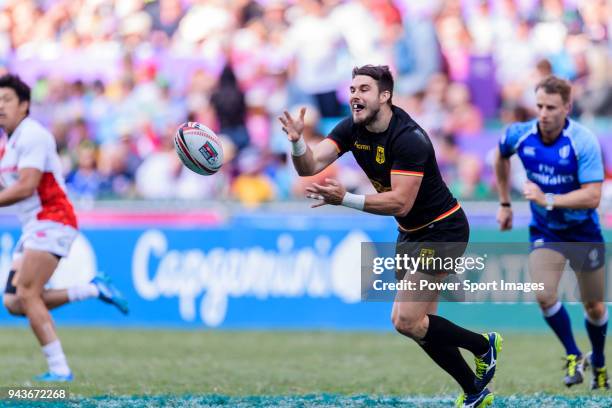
{"x": 574, "y": 158}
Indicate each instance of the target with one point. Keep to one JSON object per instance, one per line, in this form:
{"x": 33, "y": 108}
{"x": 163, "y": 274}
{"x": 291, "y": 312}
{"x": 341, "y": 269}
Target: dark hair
{"x": 556, "y": 85}
{"x": 227, "y": 77}
{"x": 544, "y": 66}
{"x": 381, "y": 74}
{"x": 16, "y": 84}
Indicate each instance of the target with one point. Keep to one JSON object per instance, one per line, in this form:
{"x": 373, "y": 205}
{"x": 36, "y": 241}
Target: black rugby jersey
{"x": 403, "y": 149}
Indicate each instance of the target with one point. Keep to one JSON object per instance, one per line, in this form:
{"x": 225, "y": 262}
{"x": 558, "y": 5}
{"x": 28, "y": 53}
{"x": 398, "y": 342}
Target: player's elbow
{"x": 401, "y": 209}
{"x": 591, "y": 196}
{"x": 401, "y": 212}
{"x": 305, "y": 172}
{"x": 594, "y": 199}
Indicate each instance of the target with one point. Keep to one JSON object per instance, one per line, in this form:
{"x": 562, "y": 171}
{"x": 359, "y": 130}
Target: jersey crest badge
{"x": 427, "y": 255}
{"x": 380, "y": 154}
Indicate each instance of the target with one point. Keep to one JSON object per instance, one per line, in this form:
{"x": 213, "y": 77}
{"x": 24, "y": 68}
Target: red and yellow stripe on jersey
{"x": 407, "y": 173}
{"x": 438, "y": 218}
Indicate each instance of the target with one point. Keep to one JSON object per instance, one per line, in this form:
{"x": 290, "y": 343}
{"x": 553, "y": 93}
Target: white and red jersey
{"x": 33, "y": 146}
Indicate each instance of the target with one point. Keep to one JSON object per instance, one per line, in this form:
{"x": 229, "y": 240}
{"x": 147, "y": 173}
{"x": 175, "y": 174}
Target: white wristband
{"x": 355, "y": 201}
{"x": 299, "y": 147}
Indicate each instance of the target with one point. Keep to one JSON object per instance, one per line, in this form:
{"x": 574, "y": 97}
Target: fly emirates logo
{"x": 546, "y": 176}
{"x": 204, "y": 281}
{"x": 552, "y": 180}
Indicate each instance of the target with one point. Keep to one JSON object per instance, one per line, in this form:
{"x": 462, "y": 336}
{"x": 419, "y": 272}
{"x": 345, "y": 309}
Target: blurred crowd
{"x": 113, "y": 79}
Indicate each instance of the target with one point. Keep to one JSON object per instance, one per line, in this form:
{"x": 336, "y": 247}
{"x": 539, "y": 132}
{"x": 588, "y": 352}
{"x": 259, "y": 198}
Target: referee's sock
{"x": 557, "y": 318}
{"x": 450, "y": 360}
{"x": 445, "y": 333}
{"x": 597, "y": 335}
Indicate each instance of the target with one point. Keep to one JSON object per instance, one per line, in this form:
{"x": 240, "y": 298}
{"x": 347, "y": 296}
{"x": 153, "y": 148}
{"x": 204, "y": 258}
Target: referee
{"x": 399, "y": 159}
{"x": 565, "y": 171}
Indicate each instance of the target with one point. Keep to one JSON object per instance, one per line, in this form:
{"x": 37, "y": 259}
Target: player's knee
{"x": 11, "y": 303}
{"x": 595, "y": 310}
{"x": 406, "y": 325}
{"x": 25, "y": 293}
{"x": 546, "y": 300}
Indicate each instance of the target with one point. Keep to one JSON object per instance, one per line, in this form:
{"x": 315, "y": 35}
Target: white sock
{"x": 599, "y": 322}
{"x": 56, "y": 358}
{"x": 551, "y": 311}
{"x": 82, "y": 292}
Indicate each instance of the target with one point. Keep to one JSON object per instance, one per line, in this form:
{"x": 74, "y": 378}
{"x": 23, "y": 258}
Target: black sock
{"x": 442, "y": 332}
{"x": 451, "y": 361}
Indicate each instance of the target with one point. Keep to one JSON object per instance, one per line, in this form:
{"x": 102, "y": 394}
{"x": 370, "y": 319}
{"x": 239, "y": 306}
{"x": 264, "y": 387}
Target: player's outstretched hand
{"x": 331, "y": 193}
{"x": 504, "y": 218}
{"x": 293, "y": 127}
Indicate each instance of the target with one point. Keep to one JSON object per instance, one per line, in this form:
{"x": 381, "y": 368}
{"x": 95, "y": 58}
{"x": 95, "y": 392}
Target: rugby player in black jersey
{"x": 399, "y": 159}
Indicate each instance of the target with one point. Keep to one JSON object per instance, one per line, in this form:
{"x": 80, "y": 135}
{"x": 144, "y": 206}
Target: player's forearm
{"x": 388, "y": 203}
{"x": 502, "y": 172}
{"x": 304, "y": 164}
{"x": 15, "y": 193}
{"x": 578, "y": 199}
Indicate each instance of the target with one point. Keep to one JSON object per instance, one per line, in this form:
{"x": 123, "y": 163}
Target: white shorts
{"x": 48, "y": 236}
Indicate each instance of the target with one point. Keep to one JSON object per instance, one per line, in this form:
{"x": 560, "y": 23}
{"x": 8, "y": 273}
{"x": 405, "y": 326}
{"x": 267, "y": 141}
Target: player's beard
{"x": 368, "y": 119}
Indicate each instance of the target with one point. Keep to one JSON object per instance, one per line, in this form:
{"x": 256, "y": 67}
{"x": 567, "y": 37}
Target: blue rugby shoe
{"x": 52, "y": 377}
{"x": 486, "y": 364}
{"x": 481, "y": 399}
{"x": 109, "y": 293}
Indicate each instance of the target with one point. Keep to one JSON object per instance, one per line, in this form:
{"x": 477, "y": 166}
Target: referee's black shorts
{"x": 447, "y": 238}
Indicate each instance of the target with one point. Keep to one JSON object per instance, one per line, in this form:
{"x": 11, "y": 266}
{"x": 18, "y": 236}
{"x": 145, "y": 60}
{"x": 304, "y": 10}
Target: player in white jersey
{"x": 32, "y": 181}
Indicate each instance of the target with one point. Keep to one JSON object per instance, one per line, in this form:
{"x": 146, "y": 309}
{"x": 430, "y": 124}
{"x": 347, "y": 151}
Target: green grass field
{"x": 156, "y": 368}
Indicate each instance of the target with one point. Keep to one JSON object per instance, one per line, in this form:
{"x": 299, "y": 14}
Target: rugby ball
{"x": 199, "y": 148}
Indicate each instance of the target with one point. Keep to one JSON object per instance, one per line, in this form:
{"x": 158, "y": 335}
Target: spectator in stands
{"x": 455, "y": 41}
{"x": 594, "y": 98}
{"x": 462, "y": 118}
{"x": 434, "y": 103}
{"x": 151, "y": 64}
{"x": 118, "y": 163}
{"x": 252, "y": 187}
{"x": 229, "y": 104}
{"x": 361, "y": 29}
{"x": 85, "y": 181}
{"x": 315, "y": 42}
{"x": 448, "y": 155}
{"x": 515, "y": 58}
{"x": 166, "y": 16}
{"x": 156, "y": 177}
{"x": 416, "y": 54}
{"x": 469, "y": 185}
